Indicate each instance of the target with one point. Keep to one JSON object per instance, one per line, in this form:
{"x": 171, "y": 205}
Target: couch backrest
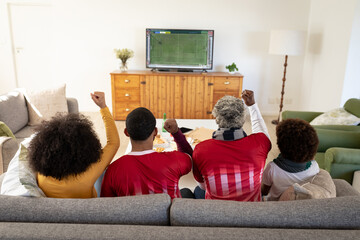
{"x": 331, "y": 213}
{"x": 353, "y": 106}
{"x": 137, "y": 210}
{"x": 13, "y": 110}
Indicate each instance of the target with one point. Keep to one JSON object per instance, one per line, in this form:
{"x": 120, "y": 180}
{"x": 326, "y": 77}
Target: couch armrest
{"x": 343, "y": 188}
{"x": 8, "y": 148}
{"x": 307, "y": 116}
{"x": 73, "y": 105}
{"x": 341, "y": 156}
{"x": 337, "y": 138}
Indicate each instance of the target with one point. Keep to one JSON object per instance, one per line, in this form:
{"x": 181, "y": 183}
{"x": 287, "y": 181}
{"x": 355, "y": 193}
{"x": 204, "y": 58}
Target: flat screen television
{"x": 181, "y": 49}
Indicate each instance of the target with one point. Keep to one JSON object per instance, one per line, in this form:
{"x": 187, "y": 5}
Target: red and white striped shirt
{"x": 147, "y": 172}
{"x": 232, "y": 170}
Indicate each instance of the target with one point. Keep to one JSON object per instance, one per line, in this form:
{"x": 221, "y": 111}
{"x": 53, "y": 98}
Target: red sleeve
{"x": 106, "y": 188}
{"x": 184, "y": 161}
{"x": 197, "y": 175}
{"x": 264, "y": 141}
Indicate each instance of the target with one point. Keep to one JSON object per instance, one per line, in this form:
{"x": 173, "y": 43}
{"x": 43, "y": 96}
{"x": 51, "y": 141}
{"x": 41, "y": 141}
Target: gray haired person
{"x": 230, "y": 165}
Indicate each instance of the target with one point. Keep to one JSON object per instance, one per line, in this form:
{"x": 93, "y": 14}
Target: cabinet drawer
{"x": 226, "y": 83}
{"x": 127, "y": 95}
{"x": 127, "y": 81}
{"x": 219, "y": 94}
{"x": 122, "y": 109}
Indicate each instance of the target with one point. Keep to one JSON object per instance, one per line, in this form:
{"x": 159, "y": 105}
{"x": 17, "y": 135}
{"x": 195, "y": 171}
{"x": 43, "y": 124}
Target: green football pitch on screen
{"x": 179, "y": 49}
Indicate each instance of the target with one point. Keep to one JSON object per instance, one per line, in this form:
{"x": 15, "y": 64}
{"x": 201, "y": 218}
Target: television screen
{"x": 179, "y": 49}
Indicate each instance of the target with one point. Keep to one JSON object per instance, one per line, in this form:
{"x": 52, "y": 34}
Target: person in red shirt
{"x": 144, "y": 171}
{"x": 230, "y": 165}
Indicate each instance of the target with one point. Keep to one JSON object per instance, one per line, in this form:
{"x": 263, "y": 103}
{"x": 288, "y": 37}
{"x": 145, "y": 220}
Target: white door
{"x": 31, "y": 30}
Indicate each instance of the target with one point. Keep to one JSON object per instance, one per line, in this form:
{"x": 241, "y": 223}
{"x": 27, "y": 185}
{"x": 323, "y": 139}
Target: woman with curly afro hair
{"x": 67, "y": 155}
{"x": 297, "y": 141}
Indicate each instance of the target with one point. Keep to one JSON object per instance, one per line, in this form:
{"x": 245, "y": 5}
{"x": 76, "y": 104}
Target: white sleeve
{"x": 267, "y": 175}
{"x": 257, "y": 122}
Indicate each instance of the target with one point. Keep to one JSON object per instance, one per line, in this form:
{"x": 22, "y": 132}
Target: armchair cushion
{"x": 338, "y": 116}
{"x": 337, "y": 138}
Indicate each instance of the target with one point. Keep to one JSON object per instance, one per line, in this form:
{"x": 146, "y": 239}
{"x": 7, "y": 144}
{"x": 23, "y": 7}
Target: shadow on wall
{"x": 315, "y": 43}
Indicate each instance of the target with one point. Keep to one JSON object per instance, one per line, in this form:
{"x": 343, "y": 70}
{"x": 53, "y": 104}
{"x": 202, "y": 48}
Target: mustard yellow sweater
{"x": 82, "y": 185}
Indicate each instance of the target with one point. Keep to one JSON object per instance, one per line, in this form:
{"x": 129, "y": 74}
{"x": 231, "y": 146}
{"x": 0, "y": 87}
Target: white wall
{"x": 351, "y": 87}
{"x": 87, "y": 31}
{"x": 329, "y": 32}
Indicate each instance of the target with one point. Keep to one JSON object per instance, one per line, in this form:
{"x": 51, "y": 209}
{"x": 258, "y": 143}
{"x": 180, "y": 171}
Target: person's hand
{"x": 171, "y": 126}
{"x": 248, "y": 97}
{"x": 99, "y": 99}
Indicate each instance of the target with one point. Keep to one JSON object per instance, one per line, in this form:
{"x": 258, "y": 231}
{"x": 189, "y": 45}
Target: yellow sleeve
{"x": 110, "y": 149}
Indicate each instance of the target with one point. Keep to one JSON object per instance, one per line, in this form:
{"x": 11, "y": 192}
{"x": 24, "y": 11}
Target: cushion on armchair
{"x": 338, "y": 116}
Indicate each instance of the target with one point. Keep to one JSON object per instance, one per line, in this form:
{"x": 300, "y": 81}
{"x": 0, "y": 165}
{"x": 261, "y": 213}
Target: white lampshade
{"x": 287, "y": 42}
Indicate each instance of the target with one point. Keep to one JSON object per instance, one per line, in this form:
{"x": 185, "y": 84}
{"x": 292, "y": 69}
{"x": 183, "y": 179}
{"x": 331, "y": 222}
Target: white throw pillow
{"x": 20, "y": 180}
{"x": 42, "y": 105}
{"x": 338, "y": 116}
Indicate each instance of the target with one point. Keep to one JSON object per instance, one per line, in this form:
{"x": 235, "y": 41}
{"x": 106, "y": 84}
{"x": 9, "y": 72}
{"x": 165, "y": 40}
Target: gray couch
{"x": 157, "y": 217}
{"x": 14, "y": 113}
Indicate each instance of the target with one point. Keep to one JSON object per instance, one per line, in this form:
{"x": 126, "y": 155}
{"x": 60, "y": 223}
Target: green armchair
{"x": 339, "y": 145}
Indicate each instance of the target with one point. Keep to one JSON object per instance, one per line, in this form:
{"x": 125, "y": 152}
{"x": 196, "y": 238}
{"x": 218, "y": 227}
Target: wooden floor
{"x": 188, "y": 180}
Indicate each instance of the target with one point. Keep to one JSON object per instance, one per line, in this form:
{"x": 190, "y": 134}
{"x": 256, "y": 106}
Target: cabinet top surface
{"x": 149, "y": 72}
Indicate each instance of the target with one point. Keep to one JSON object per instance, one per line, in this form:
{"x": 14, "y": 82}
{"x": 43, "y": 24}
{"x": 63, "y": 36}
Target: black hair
{"x": 140, "y": 123}
{"x": 297, "y": 140}
{"x": 66, "y": 145}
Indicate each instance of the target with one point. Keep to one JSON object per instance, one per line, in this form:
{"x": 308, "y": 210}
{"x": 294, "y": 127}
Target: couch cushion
{"x": 328, "y": 213}
{"x": 42, "y": 105}
{"x": 13, "y": 110}
{"x": 5, "y": 130}
{"x": 319, "y": 186}
{"x": 343, "y": 188}
{"x": 8, "y": 148}
{"x": 146, "y": 209}
{"x": 19, "y": 179}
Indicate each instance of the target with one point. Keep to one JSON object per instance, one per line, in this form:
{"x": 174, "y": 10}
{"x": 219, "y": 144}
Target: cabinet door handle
{"x": 226, "y": 83}
{"x": 127, "y": 80}
{"x": 127, "y": 95}
{"x": 127, "y": 109}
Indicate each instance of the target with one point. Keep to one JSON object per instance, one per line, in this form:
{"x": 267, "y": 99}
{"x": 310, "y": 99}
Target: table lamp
{"x": 286, "y": 42}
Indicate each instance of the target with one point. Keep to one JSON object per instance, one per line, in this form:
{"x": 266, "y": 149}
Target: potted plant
{"x": 124, "y": 54}
{"x": 232, "y": 68}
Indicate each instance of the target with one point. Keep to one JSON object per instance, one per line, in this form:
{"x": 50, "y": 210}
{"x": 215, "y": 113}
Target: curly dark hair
{"x": 297, "y": 140}
{"x": 64, "y": 146}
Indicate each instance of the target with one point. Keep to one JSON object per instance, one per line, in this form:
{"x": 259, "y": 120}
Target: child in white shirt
{"x": 297, "y": 141}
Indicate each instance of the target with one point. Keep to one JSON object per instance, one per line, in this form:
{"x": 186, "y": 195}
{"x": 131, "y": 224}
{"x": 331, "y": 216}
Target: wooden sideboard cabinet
{"x": 179, "y": 95}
